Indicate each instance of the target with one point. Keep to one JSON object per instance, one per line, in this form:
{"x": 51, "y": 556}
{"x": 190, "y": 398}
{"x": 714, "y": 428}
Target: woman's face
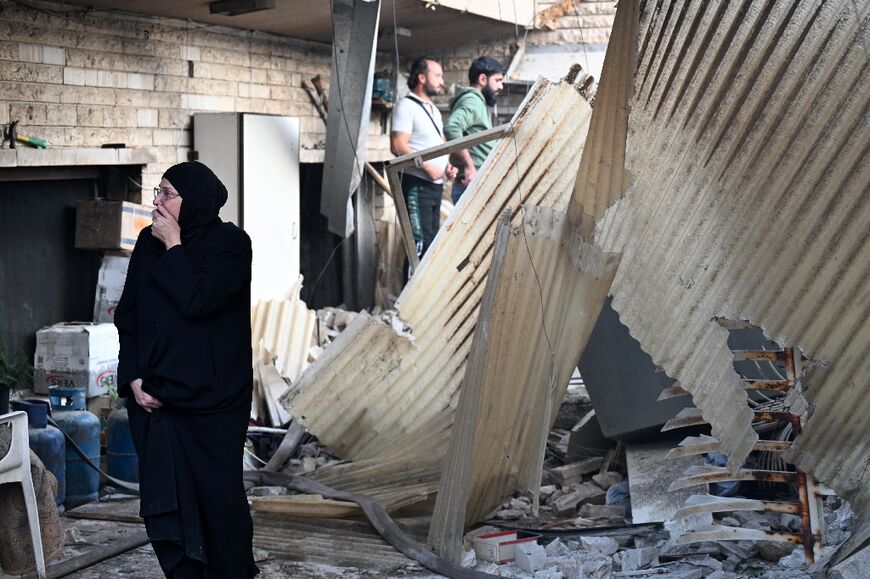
{"x": 168, "y": 198}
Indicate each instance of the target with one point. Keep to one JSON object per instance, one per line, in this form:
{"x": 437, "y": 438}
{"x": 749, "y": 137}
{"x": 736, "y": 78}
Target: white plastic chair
{"x": 15, "y": 467}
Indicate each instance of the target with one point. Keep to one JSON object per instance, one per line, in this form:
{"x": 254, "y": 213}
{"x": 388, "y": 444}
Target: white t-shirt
{"x": 410, "y": 117}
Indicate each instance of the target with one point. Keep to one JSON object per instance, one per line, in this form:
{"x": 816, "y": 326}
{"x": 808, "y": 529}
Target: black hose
{"x": 130, "y": 486}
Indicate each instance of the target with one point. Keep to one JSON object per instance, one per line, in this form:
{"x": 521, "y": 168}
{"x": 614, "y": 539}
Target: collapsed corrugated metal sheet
{"x": 544, "y": 292}
{"x": 375, "y": 393}
{"x": 282, "y": 332}
{"x": 285, "y": 329}
{"x": 749, "y": 201}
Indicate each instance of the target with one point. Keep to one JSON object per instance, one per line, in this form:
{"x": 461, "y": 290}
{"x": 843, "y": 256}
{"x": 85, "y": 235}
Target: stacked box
{"x": 110, "y": 285}
{"x": 76, "y": 355}
{"x": 111, "y": 225}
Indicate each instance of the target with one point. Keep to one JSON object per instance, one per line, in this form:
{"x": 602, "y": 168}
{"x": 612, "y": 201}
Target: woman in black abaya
{"x": 185, "y": 367}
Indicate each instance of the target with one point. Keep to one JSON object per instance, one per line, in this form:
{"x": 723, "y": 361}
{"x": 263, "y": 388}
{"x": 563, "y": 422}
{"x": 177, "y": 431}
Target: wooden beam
{"x": 416, "y": 158}
{"x": 380, "y": 520}
{"x": 313, "y": 506}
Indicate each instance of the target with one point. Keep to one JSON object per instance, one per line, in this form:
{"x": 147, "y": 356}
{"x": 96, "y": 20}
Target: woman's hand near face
{"x": 165, "y": 227}
{"x": 143, "y": 399}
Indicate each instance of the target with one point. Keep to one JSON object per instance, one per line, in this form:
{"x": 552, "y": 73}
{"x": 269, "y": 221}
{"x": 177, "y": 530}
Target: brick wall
{"x": 83, "y": 79}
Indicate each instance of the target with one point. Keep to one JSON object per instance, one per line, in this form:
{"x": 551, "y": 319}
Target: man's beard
{"x": 430, "y": 89}
{"x": 489, "y": 95}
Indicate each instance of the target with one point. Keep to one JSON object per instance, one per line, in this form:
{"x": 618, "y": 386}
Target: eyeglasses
{"x": 165, "y": 194}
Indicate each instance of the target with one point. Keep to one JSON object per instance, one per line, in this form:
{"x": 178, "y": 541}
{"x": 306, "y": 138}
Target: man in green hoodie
{"x": 469, "y": 114}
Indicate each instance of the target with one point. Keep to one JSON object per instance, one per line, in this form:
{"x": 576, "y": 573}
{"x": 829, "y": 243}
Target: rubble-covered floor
{"x": 324, "y": 549}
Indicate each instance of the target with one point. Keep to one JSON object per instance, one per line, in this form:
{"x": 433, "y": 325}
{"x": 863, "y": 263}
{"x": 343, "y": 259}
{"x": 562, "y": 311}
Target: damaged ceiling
{"x": 420, "y": 28}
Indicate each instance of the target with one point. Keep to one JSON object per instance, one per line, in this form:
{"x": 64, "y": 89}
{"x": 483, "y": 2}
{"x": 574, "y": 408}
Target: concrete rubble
{"x": 639, "y": 554}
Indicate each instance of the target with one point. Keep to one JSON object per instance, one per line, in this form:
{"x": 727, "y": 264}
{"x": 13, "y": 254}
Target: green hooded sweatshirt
{"x": 468, "y": 115}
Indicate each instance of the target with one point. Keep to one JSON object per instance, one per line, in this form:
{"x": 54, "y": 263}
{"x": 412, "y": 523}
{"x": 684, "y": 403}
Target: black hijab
{"x": 203, "y": 195}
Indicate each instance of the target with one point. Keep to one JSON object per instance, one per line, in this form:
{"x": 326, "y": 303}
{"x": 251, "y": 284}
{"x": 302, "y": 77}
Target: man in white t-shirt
{"x": 417, "y": 125}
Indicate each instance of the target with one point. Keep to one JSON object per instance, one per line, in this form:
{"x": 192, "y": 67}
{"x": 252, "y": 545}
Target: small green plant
{"x": 16, "y": 373}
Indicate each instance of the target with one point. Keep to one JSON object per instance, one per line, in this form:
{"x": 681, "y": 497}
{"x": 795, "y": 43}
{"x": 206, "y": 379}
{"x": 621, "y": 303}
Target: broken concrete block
{"x": 520, "y": 504}
{"x": 602, "y": 511}
{"x": 607, "y": 479}
{"x": 598, "y": 567}
{"x": 854, "y": 567}
{"x": 740, "y": 550}
{"x": 730, "y": 522}
{"x": 570, "y": 569}
{"x": 795, "y": 560}
{"x": 267, "y": 491}
{"x": 260, "y": 555}
{"x": 634, "y": 559}
{"x": 774, "y": 550}
{"x": 706, "y": 563}
{"x": 585, "y": 493}
{"x": 549, "y": 574}
{"x": 788, "y": 574}
{"x": 510, "y": 514}
{"x": 840, "y": 527}
{"x": 602, "y": 545}
{"x": 546, "y": 491}
{"x": 682, "y": 573}
{"x": 752, "y": 520}
{"x": 571, "y": 473}
{"x": 789, "y": 522}
{"x": 556, "y": 548}
{"x": 342, "y": 318}
{"x": 530, "y": 557}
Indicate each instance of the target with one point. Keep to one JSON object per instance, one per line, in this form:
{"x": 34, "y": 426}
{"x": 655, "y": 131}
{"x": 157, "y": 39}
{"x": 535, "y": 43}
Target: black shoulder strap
{"x": 425, "y": 110}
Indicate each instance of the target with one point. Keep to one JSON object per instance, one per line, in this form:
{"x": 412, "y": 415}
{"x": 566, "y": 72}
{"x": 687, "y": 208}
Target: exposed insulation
{"x": 749, "y": 201}
{"x": 375, "y": 393}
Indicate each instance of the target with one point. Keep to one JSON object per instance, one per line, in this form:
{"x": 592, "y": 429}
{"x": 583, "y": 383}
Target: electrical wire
{"x": 552, "y": 378}
{"x": 580, "y": 29}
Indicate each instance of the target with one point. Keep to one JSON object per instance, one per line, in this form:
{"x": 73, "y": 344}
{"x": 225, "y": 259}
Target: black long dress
{"x": 184, "y": 326}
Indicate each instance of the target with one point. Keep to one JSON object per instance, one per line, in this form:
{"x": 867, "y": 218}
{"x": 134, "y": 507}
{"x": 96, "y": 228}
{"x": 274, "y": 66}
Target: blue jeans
{"x": 458, "y": 190}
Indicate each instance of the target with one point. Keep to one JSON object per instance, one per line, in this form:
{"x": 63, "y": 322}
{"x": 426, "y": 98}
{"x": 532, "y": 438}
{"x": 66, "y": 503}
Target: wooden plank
{"x": 380, "y": 520}
{"x": 313, "y": 506}
{"x": 404, "y": 219}
{"x": 449, "y": 147}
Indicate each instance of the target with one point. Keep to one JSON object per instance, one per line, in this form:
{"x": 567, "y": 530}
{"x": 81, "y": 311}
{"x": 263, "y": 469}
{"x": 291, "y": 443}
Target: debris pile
{"x": 639, "y": 551}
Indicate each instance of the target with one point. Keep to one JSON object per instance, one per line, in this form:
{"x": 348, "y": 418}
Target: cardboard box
{"x": 110, "y": 285}
{"x": 498, "y": 547}
{"x": 104, "y": 224}
{"x": 76, "y": 355}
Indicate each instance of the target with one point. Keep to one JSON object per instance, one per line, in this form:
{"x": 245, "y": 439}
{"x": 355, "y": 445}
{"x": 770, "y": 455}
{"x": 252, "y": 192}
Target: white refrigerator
{"x": 257, "y": 158}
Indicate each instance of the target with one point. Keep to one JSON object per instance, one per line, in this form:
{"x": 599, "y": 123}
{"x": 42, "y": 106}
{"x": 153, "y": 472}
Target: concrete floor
{"x": 316, "y": 549}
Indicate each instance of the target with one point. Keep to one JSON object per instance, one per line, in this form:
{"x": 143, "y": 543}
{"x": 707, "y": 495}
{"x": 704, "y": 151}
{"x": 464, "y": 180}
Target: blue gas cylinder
{"x": 68, "y": 411}
{"x": 46, "y": 441}
{"x": 121, "y": 458}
